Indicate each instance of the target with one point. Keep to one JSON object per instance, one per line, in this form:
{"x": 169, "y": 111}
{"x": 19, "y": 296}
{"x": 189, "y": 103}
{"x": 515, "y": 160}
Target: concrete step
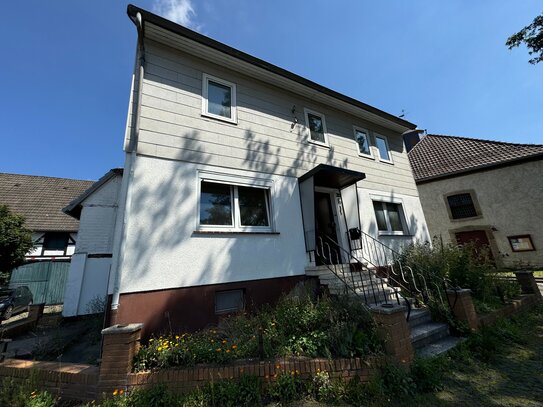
{"x": 438, "y": 347}
{"x": 429, "y": 332}
{"x": 419, "y": 316}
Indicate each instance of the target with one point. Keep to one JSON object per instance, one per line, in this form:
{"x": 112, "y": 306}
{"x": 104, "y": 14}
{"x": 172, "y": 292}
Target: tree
{"x": 15, "y": 242}
{"x": 532, "y": 36}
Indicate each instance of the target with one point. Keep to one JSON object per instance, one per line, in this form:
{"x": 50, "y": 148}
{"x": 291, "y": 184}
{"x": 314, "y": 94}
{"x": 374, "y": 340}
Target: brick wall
{"x": 521, "y": 304}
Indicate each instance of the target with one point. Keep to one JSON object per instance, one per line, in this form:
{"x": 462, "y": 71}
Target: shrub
{"x": 296, "y": 326}
{"x": 287, "y": 387}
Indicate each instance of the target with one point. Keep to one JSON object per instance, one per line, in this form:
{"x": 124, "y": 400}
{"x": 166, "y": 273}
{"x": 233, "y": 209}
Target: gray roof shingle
{"x": 41, "y": 199}
{"x": 438, "y": 156}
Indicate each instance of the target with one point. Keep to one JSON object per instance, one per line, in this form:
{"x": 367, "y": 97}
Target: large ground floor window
{"x": 234, "y": 207}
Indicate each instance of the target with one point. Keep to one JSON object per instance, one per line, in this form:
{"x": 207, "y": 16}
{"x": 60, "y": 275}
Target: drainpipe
{"x": 125, "y": 196}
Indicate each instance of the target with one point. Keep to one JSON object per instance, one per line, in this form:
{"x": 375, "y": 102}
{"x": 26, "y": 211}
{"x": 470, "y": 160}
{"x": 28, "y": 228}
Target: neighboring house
{"x": 236, "y": 171}
{"x": 483, "y": 191}
{"x": 96, "y": 210}
{"x": 40, "y": 200}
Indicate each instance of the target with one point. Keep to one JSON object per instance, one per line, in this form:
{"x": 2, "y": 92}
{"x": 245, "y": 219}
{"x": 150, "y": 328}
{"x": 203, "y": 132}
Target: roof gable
{"x": 438, "y": 156}
{"x": 41, "y": 199}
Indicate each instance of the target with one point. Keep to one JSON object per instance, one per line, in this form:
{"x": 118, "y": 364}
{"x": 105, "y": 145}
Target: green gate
{"x": 45, "y": 279}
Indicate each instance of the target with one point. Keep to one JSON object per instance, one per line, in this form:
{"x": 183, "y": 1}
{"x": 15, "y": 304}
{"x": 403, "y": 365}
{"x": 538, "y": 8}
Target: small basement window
{"x": 229, "y": 301}
{"x": 316, "y": 124}
{"x": 461, "y": 206}
{"x": 219, "y": 99}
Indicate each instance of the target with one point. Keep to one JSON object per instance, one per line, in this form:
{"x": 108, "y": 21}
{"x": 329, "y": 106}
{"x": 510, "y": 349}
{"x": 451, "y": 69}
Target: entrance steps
{"x": 429, "y": 338}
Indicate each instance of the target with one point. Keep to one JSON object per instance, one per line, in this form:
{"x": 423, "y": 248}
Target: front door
{"x": 325, "y": 224}
{"x": 478, "y": 238}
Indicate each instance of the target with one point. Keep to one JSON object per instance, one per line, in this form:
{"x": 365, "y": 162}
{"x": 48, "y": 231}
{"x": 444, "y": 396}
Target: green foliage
{"x": 300, "y": 326}
{"x": 287, "y": 387}
{"x": 532, "y": 37}
{"x": 427, "y": 374}
{"x": 15, "y": 242}
{"x": 460, "y": 266}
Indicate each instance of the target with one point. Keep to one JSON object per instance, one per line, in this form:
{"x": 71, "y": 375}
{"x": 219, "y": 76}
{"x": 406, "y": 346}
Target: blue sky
{"x": 66, "y": 67}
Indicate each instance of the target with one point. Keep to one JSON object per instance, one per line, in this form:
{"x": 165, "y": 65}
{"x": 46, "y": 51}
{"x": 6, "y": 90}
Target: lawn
{"x": 512, "y": 376}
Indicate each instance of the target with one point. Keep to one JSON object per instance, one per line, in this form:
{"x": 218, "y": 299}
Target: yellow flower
{"x": 224, "y": 341}
{"x": 115, "y": 392}
{"x": 278, "y": 366}
{"x": 219, "y": 349}
{"x": 159, "y": 348}
{"x": 234, "y": 346}
{"x": 176, "y": 336}
{"x": 227, "y": 350}
{"x": 121, "y": 391}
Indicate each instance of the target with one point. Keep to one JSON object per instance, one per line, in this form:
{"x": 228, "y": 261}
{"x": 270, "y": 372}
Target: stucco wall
{"x": 511, "y": 201}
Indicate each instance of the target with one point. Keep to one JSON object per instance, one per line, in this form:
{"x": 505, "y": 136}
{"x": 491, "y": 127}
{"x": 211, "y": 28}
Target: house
{"x": 239, "y": 177}
{"x": 483, "y": 191}
{"x": 40, "y": 200}
{"x": 96, "y": 210}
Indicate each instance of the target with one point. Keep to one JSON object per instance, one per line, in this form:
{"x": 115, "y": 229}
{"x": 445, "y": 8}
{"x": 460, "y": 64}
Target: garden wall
{"x": 182, "y": 380}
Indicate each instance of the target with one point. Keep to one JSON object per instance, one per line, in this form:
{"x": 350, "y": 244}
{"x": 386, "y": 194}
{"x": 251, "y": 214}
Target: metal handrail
{"x": 373, "y": 290}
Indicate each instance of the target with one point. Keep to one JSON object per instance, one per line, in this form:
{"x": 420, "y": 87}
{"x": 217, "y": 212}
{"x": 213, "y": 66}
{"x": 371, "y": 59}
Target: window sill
{"x": 466, "y": 219}
{"x": 386, "y": 161}
{"x": 391, "y": 234}
{"x": 318, "y": 143}
{"x": 220, "y": 118}
{"x": 226, "y": 232}
{"x": 369, "y": 157}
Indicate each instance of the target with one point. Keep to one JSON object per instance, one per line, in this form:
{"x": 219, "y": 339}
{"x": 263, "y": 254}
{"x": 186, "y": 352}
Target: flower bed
{"x": 296, "y": 326}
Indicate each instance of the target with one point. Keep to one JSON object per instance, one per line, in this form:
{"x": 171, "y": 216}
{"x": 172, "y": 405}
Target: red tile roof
{"x": 41, "y": 199}
{"x": 438, "y": 156}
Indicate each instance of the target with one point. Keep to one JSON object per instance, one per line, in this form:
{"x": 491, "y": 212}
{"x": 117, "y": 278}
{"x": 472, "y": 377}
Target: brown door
{"x": 478, "y": 238}
{"x": 325, "y": 224}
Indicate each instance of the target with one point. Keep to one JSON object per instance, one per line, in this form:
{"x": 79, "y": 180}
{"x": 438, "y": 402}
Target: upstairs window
{"x": 461, "y": 206}
{"x": 56, "y": 241}
{"x": 219, "y": 99}
{"x": 362, "y": 138}
{"x": 381, "y": 143}
{"x": 316, "y": 125}
{"x": 233, "y": 207}
{"x": 390, "y": 218}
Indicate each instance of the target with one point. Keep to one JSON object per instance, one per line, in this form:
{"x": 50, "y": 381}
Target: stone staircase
{"x": 428, "y": 338}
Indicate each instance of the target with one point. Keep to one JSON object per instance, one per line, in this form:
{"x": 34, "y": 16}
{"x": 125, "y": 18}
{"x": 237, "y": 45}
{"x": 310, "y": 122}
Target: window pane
{"x": 382, "y": 147}
{"x": 229, "y": 301}
{"x": 316, "y": 127}
{"x": 55, "y": 241}
{"x": 380, "y": 216}
{"x": 394, "y": 217}
{"x": 252, "y": 206}
{"x": 215, "y": 204}
{"x": 363, "y": 143}
{"x": 461, "y": 206}
{"x": 219, "y": 99}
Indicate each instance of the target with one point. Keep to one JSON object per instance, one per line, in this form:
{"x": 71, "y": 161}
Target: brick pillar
{"x": 120, "y": 344}
{"x": 462, "y": 306}
{"x": 392, "y": 328}
{"x": 527, "y": 283}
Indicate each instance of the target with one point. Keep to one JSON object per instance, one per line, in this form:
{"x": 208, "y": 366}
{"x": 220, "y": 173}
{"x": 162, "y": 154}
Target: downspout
{"x": 128, "y": 175}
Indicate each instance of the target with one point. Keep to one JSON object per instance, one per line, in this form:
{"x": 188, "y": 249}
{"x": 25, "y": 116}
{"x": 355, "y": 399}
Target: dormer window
{"x": 219, "y": 99}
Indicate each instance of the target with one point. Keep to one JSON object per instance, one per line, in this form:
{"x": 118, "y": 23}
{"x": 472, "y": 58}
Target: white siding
{"x": 172, "y": 127}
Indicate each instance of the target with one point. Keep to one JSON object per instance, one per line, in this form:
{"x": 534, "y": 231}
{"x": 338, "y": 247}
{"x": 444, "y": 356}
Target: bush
{"x": 287, "y": 387}
{"x": 460, "y": 266}
{"x": 296, "y": 326}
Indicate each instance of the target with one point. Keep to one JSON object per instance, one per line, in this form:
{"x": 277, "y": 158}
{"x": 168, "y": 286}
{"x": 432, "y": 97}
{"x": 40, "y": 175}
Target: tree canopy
{"x": 532, "y": 37}
{"x": 15, "y": 242}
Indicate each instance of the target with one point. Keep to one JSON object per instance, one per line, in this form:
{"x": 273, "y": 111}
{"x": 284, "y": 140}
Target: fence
{"x": 45, "y": 279}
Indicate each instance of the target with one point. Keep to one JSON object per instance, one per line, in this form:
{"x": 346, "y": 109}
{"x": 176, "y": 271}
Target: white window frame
{"x": 403, "y": 219}
{"x": 377, "y": 135}
{"x": 324, "y": 128}
{"x": 368, "y": 136}
{"x": 205, "y": 102}
{"x": 235, "y": 181}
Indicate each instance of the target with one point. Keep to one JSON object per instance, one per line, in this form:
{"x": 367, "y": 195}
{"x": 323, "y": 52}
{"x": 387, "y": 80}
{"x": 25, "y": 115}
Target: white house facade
{"x": 236, "y": 173}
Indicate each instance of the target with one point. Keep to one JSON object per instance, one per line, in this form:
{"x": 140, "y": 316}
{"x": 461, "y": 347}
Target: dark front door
{"x": 478, "y": 238}
{"x": 326, "y": 226}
